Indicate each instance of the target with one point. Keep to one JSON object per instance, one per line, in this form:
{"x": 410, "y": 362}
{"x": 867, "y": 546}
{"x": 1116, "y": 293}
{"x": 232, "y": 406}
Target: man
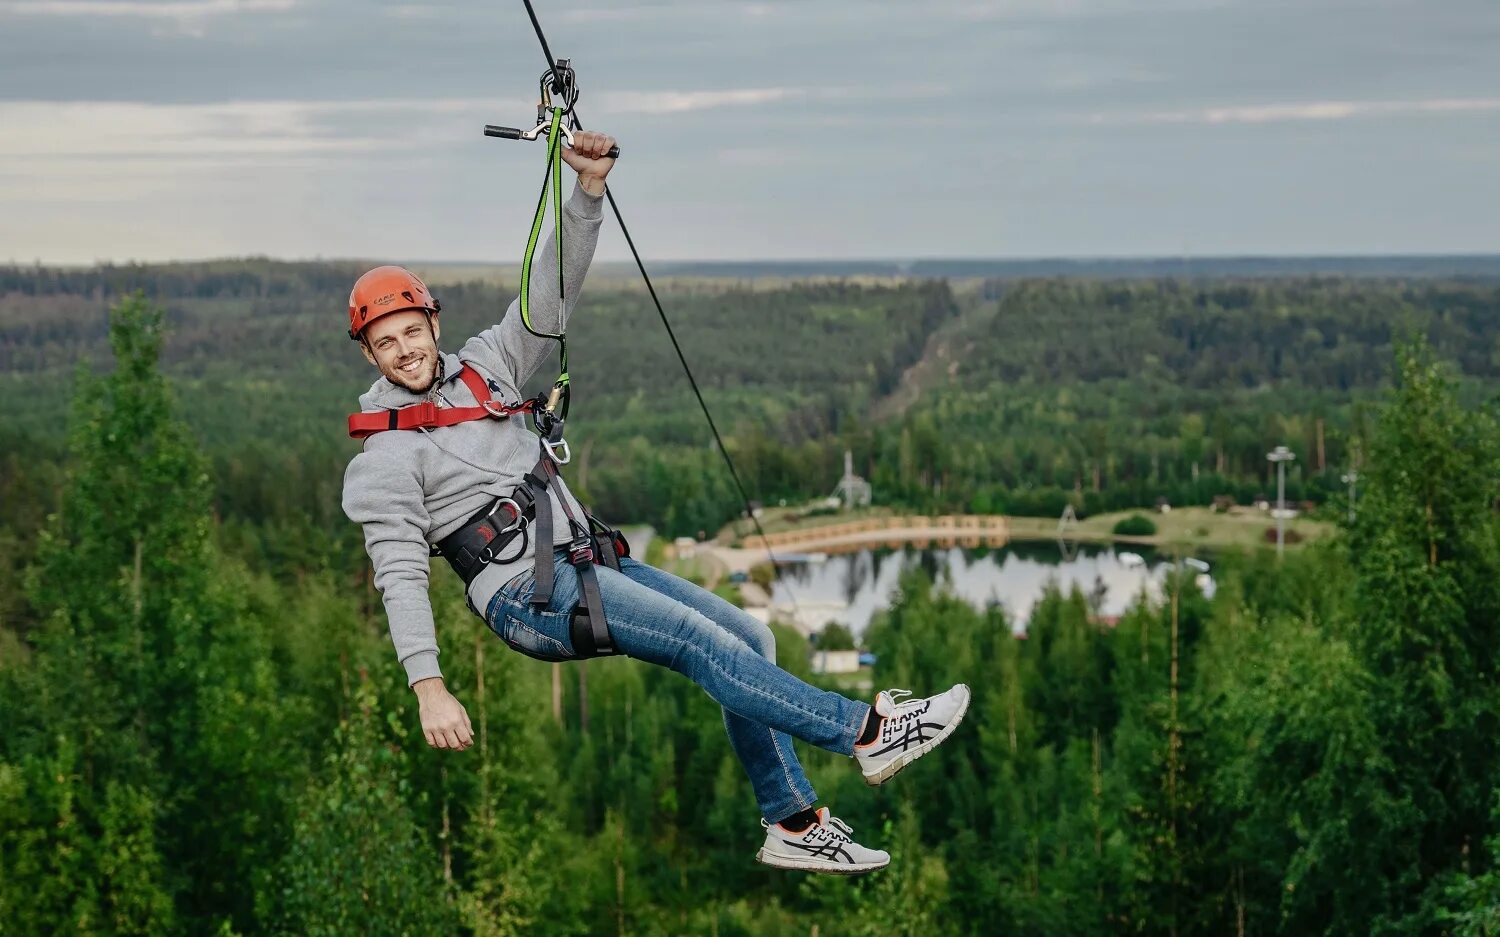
{"x": 410, "y": 489}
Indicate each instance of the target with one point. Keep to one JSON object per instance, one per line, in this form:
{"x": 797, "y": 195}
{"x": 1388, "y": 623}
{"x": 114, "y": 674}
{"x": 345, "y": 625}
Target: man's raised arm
{"x": 508, "y": 350}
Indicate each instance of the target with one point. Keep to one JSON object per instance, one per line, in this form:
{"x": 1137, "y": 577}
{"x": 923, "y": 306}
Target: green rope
{"x": 552, "y": 180}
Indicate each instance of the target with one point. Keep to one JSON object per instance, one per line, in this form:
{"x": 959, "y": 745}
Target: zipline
{"x": 558, "y": 101}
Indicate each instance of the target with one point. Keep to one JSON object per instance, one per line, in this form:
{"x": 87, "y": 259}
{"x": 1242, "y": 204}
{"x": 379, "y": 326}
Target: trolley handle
{"x": 515, "y": 133}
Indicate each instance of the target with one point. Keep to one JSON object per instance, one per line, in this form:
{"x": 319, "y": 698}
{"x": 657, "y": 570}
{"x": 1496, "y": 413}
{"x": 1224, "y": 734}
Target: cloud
{"x": 170, "y": 17}
{"x": 681, "y": 102}
{"x": 1302, "y": 111}
{"x": 1062, "y": 120}
{"x": 111, "y": 129}
{"x": 150, "y": 9}
{"x": 980, "y": 10}
{"x": 99, "y": 129}
{"x": 620, "y": 14}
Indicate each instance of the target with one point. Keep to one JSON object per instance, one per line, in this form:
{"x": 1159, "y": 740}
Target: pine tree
{"x": 144, "y": 668}
{"x": 119, "y": 578}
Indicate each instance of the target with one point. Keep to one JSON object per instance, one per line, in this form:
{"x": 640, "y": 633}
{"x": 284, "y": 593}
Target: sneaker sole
{"x": 817, "y": 865}
{"x": 894, "y": 768}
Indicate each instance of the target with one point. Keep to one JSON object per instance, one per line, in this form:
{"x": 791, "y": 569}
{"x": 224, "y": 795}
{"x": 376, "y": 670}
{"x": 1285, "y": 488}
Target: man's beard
{"x": 399, "y": 377}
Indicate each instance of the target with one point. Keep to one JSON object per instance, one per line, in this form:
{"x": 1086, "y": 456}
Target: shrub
{"x": 1136, "y": 525}
{"x": 1291, "y": 536}
{"x": 763, "y": 575}
{"x": 836, "y": 637}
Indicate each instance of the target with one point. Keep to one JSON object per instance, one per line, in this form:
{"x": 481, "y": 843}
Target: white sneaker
{"x": 826, "y": 846}
{"x": 909, "y": 730}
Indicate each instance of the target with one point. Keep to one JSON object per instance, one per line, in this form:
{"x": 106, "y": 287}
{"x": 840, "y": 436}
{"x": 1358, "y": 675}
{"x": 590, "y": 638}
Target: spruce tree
{"x": 147, "y": 677}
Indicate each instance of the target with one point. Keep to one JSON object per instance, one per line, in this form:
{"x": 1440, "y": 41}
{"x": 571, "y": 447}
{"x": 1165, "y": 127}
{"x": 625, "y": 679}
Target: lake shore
{"x": 1237, "y": 527}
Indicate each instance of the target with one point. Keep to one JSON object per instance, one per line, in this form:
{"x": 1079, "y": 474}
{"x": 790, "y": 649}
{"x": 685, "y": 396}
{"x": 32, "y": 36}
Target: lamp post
{"x": 1349, "y": 479}
{"x": 1281, "y": 455}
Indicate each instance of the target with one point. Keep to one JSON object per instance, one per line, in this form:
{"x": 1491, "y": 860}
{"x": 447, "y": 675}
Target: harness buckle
{"x": 421, "y": 414}
{"x": 581, "y": 552}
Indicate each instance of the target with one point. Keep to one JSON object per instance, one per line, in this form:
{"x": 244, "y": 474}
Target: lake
{"x": 851, "y": 587}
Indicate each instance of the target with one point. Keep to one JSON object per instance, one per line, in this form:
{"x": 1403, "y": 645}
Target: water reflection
{"x": 851, "y": 587}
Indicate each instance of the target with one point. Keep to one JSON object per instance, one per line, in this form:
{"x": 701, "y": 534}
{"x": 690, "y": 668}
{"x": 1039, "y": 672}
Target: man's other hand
{"x": 444, "y": 720}
{"x": 588, "y": 160}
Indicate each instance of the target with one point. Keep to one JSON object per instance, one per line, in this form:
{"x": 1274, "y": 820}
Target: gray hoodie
{"x": 410, "y": 489}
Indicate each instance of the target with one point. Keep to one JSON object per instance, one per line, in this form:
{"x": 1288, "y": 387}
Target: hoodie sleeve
{"x": 385, "y": 498}
{"x": 507, "y": 349}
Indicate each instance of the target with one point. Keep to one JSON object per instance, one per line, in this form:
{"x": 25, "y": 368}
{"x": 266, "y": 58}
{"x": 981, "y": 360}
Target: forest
{"x": 207, "y": 731}
{"x": 984, "y": 395}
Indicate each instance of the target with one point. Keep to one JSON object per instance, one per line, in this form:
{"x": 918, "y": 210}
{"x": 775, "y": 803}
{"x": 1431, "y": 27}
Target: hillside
{"x": 992, "y": 395}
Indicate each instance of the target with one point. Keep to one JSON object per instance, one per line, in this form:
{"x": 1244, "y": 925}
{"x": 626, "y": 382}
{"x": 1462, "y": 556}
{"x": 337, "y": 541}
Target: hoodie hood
{"x": 386, "y": 395}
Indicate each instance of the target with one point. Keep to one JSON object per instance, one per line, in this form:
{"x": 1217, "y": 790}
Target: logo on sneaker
{"x": 833, "y": 850}
{"x": 913, "y": 710}
{"x": 913, "y": 733}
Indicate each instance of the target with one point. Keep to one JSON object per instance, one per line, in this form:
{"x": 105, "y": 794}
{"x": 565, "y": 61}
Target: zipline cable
{"x": 650, "y": 288}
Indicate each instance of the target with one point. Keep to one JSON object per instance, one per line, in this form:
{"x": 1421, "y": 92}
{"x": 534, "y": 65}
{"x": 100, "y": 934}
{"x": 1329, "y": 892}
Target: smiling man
{"x": 404, "y": 347}
{"x": 449, "y": 463}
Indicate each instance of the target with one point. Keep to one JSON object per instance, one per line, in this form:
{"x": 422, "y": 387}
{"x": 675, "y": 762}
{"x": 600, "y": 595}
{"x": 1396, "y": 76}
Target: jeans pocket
{"x": 522, "y": 637}
{"x": 519, "y": 587}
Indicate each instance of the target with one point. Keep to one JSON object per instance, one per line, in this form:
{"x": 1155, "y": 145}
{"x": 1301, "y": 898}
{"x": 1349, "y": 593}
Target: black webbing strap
{"x": 541, "y": 594}
{"x": 590, "y": 629}
{"x": 487, "y": 535}
{"x": 597, "y": 630}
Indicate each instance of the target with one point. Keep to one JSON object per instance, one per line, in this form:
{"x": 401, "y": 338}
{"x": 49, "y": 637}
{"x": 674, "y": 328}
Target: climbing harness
{"x": 525, "y": 515}
{"x": 488, "y": 536}
{"x": 427, "y": 415}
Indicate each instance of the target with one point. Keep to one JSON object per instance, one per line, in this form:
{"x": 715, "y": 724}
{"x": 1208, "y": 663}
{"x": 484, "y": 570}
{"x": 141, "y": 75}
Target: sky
{"x": 805, "y": 129}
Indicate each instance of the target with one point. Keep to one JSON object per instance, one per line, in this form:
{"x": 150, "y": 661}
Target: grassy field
{"x": 1191, "y": 526}
{"x": 776, "y": 520}
{"x": 1195, "y": 526}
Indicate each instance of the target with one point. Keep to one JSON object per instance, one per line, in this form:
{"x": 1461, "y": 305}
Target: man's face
{"x": 404, "y": 348}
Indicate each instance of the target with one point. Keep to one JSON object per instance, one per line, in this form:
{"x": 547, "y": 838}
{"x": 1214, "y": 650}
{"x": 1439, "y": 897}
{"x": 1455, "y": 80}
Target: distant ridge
{"x": 1484, "y": 266}
{"x": 1393, "y": 266}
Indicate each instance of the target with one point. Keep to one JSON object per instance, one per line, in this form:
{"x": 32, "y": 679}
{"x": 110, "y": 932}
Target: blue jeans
{"x": 657, "y": 617}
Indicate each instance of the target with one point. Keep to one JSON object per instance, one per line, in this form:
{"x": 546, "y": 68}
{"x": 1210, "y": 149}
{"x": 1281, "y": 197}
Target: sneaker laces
{"x": 903, "y": 708}
{"x": 835, "y": 829}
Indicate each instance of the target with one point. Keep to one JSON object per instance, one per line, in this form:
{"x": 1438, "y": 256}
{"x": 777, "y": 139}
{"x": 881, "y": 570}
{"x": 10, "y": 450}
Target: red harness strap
{"x": 427, "y": 415}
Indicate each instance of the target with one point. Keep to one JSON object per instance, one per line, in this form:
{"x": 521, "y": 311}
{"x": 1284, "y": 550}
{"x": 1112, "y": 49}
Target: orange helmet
{"x": 385, "y": 290}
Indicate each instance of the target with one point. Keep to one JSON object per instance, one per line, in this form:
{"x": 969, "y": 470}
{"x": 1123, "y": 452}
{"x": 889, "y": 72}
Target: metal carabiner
{"x": 552, "y": 448}
{"x": 499, "y": 409}
{"x": 515, "y": 507}
{"x": 489, "y": 554}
